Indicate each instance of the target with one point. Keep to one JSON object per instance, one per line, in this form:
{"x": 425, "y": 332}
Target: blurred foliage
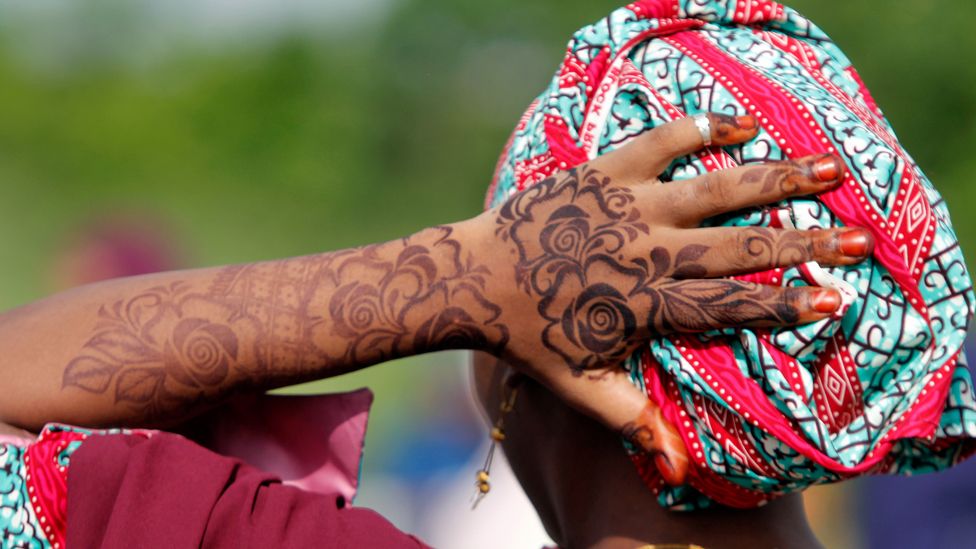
{"x": 297, "y": 142}
{"x": 308, "y": 142}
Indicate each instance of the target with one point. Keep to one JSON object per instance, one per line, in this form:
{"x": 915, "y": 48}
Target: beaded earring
{"x": 509, "y": 392}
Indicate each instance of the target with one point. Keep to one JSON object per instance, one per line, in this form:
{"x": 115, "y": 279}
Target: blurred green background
{"x": 260, "y": 129}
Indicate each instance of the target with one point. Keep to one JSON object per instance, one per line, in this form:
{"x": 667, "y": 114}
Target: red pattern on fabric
{"x": 536, "y": 169}
{"x": 607, "y": 80}
{"x": 630, "y": 74}
{"x": 903, "y": 239}
{"x": 787, "y": 365}
{"x": 870, "y": 116}
{"x": 700, "y": 477}
{"x": 837, "y": 390}
{"x": 562, "y": 144}
{"x": 572, "y": 72}
{"x": 729, "y": 430}
{"x": 743, "y": 393}
{"x": 922, "y": 419}
{"x": 751, "y": 12}
{"x": 47, "y": 479}
{"x": 47, "y": 482}
{"x": 655, "y": 9}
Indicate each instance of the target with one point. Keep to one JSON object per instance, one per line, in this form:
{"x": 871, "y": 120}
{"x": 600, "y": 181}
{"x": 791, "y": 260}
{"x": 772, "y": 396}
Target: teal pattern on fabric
{"x": 19, "y": 526}
{"x": 884, "y": 389}
{"x": 22, "y": 525}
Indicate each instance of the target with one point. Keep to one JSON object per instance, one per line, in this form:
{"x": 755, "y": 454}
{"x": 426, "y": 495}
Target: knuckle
{"x": 750, "y": 249}
{"x": 713, "y": 190}
{"x": 789, "y": 303}
{"x": 794, "y": 247}
{"x": 660, "y": 141}
{"x": 789, "y": 178}
{"x": 775, "y": 180}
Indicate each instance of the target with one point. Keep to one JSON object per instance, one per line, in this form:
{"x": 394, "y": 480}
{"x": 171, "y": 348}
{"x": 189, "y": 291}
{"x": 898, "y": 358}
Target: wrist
{"x": 423, "y": 293}
{"x": 461, "y": 308}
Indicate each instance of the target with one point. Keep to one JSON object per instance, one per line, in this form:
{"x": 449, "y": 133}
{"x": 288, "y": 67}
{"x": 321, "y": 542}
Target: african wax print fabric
{"x": 34, "y": 485}
{"x": 881, "y": 388}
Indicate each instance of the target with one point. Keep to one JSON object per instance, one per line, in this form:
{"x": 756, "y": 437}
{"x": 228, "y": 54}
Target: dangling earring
{"x": 509, "y": 392}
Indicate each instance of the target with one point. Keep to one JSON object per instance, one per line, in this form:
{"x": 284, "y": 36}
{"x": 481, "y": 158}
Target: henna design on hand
{"x": 574, "y": 240}
{"x": 704, "y": 304}
{"x": 771, "y": 248}
{"x": 586, "y": 223}
{"x": 640, "y": 435}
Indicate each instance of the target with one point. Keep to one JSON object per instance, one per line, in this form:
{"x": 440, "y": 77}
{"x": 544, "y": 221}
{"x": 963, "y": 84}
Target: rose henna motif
{"x": 169, "y": 347}
{"x": 585, "y": 225}
{"x": 428, "y": 298}
{"x": 573, "y": 236}
{"x": 207, "y": 350}
{"x": 166, "y": 367}
{"x": 598, "y": 319}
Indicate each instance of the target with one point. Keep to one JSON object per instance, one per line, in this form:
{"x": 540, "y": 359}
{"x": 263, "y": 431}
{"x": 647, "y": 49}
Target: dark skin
{"x": 587, "y": 491}
{"x": 561, "y": 281}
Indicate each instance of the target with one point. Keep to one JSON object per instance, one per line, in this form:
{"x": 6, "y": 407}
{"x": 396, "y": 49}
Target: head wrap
{"x": 884, "y": 389}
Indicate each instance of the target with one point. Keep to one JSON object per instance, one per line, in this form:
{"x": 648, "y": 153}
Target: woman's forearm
{"x": 157, "y": 348}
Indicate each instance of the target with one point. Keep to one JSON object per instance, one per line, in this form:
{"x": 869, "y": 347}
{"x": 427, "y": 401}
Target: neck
{"x": 588, "y": 493}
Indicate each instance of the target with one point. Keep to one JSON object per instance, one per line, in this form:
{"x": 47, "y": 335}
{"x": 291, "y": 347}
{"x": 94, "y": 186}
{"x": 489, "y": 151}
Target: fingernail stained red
{"x": 825, "y": 301}
{"x": 664, "y": 466}
{"x": 746, "y": 122}
{"x": 826, "y": 169}
{"x": 856, "y": 243}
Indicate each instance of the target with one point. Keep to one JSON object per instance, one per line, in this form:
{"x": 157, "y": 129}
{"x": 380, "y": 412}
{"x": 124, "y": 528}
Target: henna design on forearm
{"x": 162, "y": 348}
{"x": 427, "y": 298}
{"x": 173, "y": 347}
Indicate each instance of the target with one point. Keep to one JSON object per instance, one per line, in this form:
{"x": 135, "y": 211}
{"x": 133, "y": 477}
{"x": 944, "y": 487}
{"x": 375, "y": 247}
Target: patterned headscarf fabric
{"x": 882, "y": 389}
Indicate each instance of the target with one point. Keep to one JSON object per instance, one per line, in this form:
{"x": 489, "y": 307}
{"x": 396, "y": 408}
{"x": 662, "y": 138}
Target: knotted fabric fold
{"x": 882, "y": 389}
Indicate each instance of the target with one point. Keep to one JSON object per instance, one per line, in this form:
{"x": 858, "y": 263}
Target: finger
{"x": 701, "y": 305}
{"x": 753, "y": 185}
{"x": 727, "y": 251}
{"x": 609, "y": 397}
{"x": 654, "y": 435}
{"x": 647, "y": 156}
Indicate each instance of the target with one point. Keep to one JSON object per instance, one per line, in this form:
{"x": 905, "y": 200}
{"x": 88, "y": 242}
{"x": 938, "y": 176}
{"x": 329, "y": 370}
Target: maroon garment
{"x": 168, "y": 492}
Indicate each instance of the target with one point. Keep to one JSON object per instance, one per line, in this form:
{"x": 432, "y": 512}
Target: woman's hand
{"x": 591, "y": 263}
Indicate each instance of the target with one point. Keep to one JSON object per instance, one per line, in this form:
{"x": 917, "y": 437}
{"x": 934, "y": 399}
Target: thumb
{"x": 608, "y": 396}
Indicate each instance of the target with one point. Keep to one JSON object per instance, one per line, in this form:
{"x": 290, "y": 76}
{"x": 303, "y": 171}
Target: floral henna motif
{"x": 586, "y": 222}
{"x": 785, "y": 248}
{"x": 427, "y": 298}
{"x": 704, "y": 304}
{"x": 152, "y": 351}
{"x": 267, "y": 324}
{"x": 570, "y": 237}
